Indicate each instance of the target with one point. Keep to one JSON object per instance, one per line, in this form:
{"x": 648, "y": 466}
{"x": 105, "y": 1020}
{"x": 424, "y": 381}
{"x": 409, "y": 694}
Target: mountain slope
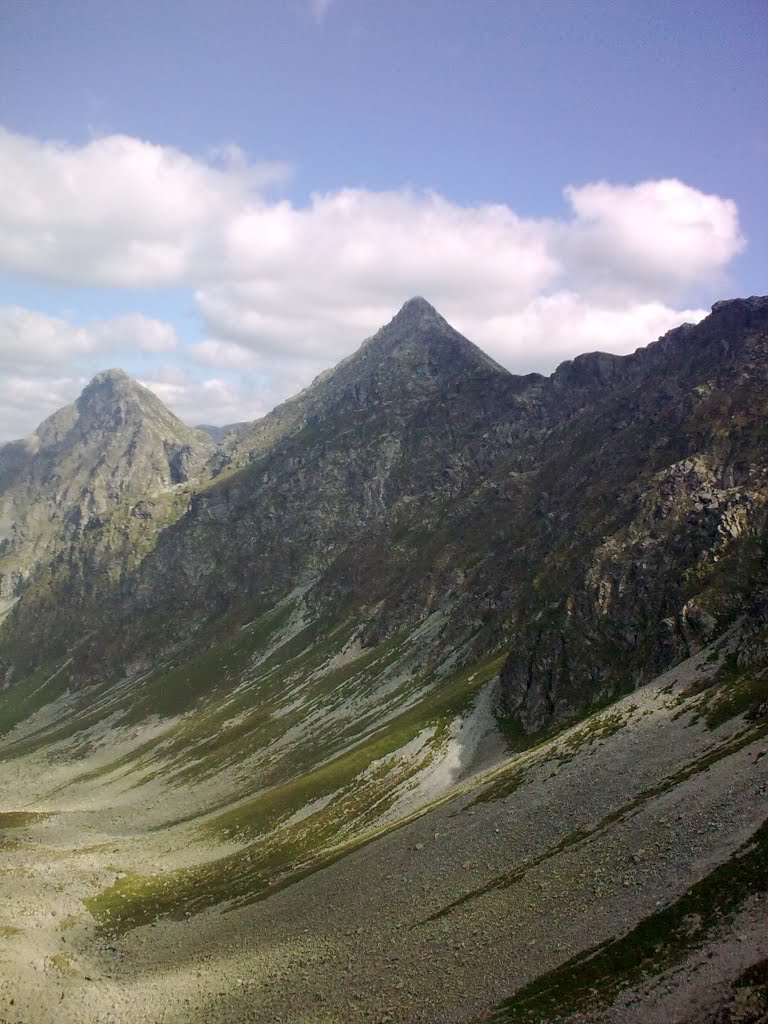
{"x": 649, "y": 811}
{"x": 655, "y": 515}
{"x": 327, "y": 684}
{"x": 579, "y": 519}
{"x": 116, "y": 443}
{"x": 382, "y": 438}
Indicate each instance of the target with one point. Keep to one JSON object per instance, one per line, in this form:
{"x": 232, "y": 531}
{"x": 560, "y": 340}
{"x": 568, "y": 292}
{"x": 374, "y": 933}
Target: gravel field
{"x": 438, "y": 920}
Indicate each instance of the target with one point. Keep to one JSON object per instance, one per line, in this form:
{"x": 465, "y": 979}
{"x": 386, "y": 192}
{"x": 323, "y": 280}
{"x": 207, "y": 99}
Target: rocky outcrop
{"x": 115, "y": 446}
{"x": 657, "y": 536}
{"x": 599, "y": 524}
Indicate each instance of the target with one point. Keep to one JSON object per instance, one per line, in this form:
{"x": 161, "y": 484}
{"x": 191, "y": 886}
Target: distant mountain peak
{"x": 110, "y": 389}
{"x": 113, "y": 381}
{"x": 416, "y": 316}
{"x": 114, "y": 374}
{"x": 418, "y": 336}
{"x": 415, "y": 308}
{"x": 112, "y": 401}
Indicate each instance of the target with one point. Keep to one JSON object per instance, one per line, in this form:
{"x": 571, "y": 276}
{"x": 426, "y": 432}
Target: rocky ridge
{"x": 284, "y": 729}
{"x": 116, "y": 444}
{"x": 606, "y": 521}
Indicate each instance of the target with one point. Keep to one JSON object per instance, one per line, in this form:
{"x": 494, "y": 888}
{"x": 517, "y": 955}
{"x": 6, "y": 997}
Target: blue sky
{"x": 226, "y": 198}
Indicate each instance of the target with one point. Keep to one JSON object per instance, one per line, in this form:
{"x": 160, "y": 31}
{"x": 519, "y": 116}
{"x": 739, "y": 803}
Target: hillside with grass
{"x": 438, "y": 694}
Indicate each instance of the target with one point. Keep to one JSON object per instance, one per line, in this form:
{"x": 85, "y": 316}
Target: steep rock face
{"x": 415, "y": 359}
{"x": 417, "y": 415}
{"x": 655, "y": 515}
{"x": 599, "y": 524}
{"x": 117, "y": 444}
{"x": 368, "y": 461}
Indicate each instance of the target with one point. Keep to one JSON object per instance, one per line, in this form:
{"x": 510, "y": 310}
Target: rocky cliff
{"x": 358, "y": 712}
{"x": 116, "y": 446}
{"x": 599, "y": 524}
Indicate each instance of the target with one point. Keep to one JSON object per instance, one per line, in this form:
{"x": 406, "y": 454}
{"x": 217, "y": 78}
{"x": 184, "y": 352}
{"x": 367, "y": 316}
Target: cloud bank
{"x": 280, "y": 290}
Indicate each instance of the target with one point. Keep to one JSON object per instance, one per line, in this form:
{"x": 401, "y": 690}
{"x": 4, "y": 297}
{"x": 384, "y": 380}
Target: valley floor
{"x": 640, "y": 831}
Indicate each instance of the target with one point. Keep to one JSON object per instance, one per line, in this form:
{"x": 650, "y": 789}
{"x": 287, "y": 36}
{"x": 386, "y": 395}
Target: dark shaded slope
{"x": 652, "y": 529}
{"x": 377, "y": 447}
{"x": 602, "y": 523}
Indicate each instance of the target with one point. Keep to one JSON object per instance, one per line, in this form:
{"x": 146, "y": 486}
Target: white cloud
{"x": 556, "y": 327}
{"x": 123, "y": 212}
{"x": 224, "y": 355}
{"x": 32, "y": 339}
{"x": 134, "y": 330}
{"x": 284, "y": 290}
{"x": 117, "y": 211}
{"x": 212, "y": 400}
{"x": 311, "y": 283}
{"x": 653, "y": 239}
{"x": 26, "y": 401}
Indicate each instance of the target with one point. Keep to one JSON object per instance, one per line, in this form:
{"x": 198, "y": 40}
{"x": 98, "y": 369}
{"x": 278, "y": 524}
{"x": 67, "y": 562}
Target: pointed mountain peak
{"x": 112, "y": 390}
{"x": 419, "y": 338}
{"x": 416, "y": 308}
{"x": 114, "y": 375}
{"x": 114, "y": 401}
{"x": 416, "y": 316}
{"x": 112, "y": 398}
{"x": 114, "y": 381}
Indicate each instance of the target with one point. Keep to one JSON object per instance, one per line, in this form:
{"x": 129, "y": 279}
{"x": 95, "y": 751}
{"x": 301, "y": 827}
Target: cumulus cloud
{"x": 25, "y": 401}
{"x": 556, "y": 327}
{"x": 32, "y": 339}
{"x": 653, "y": 239}
{"x": 224, "y": 355}
{"x": 304, "y": 283}
{"x": 29, "y": 338}
{"x": 212, "y": 400}
{"x": 283, "y": 290}
{"x": 134, "y": 330}
{"x": 118, "y": 211}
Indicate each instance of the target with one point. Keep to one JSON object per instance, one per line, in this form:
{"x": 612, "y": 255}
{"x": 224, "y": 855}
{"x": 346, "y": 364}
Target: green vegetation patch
{"x": 438, "y": 708}
{"x": 359, "y": 784}
{"x": 748, "y": 998}
{"x": 596, "y": 976}
{"x": 63, "y": 963}
{"x": 20, "y": 819}
{"x": 29, "y": 695}
{"x": 745, "y": 696}
{"x": 174, "y": 690}
{"x": 734, "y": 691}
{"x": 85, "y": 708}
{"x": 598, "y": 726}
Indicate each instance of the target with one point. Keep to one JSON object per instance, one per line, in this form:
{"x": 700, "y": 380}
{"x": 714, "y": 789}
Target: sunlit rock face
{"x": 601, "y": 523}
{"x": 116, "y": 445}
{"x": 436, "y": 695}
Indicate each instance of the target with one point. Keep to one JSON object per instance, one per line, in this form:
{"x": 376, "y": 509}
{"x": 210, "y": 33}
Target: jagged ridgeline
{"x": 340, "y": 715}
{"x": 600, "y": 524}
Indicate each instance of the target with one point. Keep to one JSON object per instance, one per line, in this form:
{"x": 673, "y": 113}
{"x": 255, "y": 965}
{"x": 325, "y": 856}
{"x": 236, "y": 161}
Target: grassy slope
{"x": 282, "y": 714}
